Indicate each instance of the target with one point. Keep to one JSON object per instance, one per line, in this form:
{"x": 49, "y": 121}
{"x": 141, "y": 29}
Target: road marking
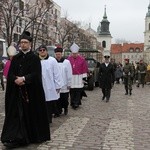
{"x": 120, "y": 133}
{"x": 119, "y": 136}
{"x": 66, "y": 134}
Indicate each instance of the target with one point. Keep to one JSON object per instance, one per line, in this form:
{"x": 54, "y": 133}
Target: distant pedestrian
{"x": 26, "y": 119}
{"x": 51, "y": 80}
{"x": 118, "y": 73}
{"x": 106, "y": 77}
{"x": 79, "y": 73}
{"x": 128, "y": 75}
{"x": 66, "y": 75}
{"x": 141, "y": 70}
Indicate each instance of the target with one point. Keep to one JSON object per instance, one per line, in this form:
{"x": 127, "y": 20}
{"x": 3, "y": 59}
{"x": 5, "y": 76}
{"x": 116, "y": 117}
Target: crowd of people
{"x": 38, "y": 88}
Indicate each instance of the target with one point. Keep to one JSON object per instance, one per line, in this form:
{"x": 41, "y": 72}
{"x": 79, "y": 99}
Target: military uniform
{"x": 128, "y": 75}
{"x": 141, "y": 70}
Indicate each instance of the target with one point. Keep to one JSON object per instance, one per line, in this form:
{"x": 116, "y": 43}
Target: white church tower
{"x": 147, "y": 37}
{"x": 104, "y": 34}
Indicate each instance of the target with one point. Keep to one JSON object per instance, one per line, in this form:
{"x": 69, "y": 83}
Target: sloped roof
{"x": 125, "y": 47}
{"x": 116, "y": 48}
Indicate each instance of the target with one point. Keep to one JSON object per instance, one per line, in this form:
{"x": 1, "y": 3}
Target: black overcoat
{"x": 106, "y": 76}
{"x": 25, "y": 110}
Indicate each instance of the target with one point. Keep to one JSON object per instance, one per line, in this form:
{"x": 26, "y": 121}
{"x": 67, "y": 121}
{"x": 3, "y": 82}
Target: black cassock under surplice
{"x": 26, "y": 118}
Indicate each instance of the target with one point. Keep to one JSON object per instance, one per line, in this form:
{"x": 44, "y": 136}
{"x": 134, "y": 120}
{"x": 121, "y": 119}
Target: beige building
{"x": 147, "y": 37}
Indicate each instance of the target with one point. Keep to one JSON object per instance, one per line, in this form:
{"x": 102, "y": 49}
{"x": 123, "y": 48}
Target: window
{"x": 131, "y": 49}
{"x": 137, "y": 50}
{"x": 104, "y": 44}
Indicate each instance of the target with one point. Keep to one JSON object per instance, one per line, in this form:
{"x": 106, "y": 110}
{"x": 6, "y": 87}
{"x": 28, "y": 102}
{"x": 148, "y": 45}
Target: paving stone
{"x": 121, "y": 124}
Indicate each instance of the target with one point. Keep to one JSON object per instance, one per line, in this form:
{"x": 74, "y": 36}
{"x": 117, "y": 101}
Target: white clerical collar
{"x": 106, "y": 64}
{"x": 25, "y": 52}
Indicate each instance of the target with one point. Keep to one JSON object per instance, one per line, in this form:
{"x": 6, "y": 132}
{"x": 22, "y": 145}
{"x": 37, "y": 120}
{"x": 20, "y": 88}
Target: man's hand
{"x": 19, "y": 81}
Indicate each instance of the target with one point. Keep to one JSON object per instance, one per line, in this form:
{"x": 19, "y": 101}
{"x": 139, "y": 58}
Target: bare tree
{"x": 29, "y": 16}
{"x": 68, "y": 32}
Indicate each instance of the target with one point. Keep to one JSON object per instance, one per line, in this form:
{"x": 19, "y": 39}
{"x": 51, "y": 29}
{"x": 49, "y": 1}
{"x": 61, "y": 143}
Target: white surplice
{"x": 66, "y": 73}
{"x": 51, "y": 78}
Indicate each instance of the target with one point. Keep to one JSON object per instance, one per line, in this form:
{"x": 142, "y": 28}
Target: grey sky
{"x": 127, "y": 17}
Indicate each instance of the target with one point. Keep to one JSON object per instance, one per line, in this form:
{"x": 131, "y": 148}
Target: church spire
{"x": 105, "y": 16}
{"x": 104, "y": 29}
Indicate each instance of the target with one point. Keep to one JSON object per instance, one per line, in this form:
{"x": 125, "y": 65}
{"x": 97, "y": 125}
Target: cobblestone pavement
{"x": 121, "y": 124}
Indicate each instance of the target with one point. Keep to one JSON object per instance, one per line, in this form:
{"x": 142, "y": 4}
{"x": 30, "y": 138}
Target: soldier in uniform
{"x": 141, "y": 70}
{"x": 106, "y": 77}
{"x": 128, "y": 75}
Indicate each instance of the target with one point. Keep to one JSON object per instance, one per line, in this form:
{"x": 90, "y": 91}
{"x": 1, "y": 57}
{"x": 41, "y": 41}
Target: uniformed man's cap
{"x": 126, "y": 59}
{"x": 141, "y": 60}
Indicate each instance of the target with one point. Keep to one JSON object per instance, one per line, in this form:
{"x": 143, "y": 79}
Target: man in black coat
{"x": 26, "y": 119}
{"x": 106, "y": 77}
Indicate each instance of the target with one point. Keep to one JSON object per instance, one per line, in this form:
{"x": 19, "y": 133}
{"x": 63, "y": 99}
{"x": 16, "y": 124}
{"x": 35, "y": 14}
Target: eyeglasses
{"x": 24, "y": 42}
{"x": 42, "y": 50}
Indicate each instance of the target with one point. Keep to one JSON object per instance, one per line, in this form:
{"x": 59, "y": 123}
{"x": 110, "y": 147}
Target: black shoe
{"x": 75, "y": 106}
{"x": 137, "y": 85}
{"x": 126, "y": 93}
{"x": 107, "y": 100}
{"x": 11, "y": 145}
{"x": 130, "y": 92}
{"x": 103, "y": 98}
{"x": 66, "y": 111}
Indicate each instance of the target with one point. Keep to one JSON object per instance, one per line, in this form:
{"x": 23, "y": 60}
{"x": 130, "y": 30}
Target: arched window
{"x": 131, "y": 49}
{"x": 137, "y": 49}
{"x": 104, "y": 44}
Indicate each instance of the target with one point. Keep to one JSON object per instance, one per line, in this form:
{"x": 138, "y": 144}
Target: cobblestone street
{"x": 121, "y": 124}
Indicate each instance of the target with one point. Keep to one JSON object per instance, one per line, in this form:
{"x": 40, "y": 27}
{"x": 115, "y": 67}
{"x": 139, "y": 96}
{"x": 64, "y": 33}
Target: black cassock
{"x": 26, "y": 118}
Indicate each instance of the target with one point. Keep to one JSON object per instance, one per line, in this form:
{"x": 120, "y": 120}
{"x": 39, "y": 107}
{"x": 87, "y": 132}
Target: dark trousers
{"x": 75, "y": 94}
{"x": 52, "y": 108}
{"x": 63, "y": 101}
{"x": 106, "y": 93}
{"x": 141, "y": 78}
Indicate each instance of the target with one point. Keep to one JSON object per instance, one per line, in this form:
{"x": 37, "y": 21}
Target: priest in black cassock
{"x": 26, "y": 119}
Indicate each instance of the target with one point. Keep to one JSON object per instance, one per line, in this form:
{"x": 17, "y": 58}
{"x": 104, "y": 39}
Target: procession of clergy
{"x": 62, "y": 78}
{"x": 33, "y": 79}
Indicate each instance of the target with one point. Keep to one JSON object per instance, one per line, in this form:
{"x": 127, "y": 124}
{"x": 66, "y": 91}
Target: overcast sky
{"x": 126, "y": 17}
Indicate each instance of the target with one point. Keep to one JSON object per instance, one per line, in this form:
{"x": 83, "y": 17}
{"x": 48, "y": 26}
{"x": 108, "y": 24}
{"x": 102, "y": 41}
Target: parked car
{"x": 93, "y": 70}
